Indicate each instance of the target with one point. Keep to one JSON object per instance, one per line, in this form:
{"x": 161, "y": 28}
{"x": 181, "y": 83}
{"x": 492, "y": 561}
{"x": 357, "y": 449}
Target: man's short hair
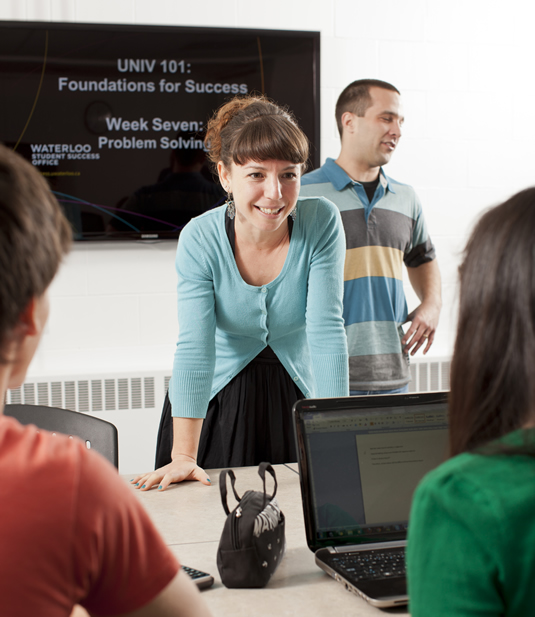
{"x": 34, "y": 236}
{"x": 356, "y": 98}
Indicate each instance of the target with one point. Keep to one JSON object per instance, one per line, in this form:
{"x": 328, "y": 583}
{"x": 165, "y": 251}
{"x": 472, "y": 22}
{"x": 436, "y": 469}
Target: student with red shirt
{"x": 71, "y": 531}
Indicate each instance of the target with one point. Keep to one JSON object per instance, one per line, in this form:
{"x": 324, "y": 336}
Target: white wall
{"x": 464, "y": 69}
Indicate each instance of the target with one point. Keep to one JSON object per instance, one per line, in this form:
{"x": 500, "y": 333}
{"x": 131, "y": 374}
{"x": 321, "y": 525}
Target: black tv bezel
{"x": 315, "y": 140}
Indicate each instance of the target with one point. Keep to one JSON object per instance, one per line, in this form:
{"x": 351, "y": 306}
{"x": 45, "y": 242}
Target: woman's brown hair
{"x": 254, "y": 129}
{"x": 493, "y": 367}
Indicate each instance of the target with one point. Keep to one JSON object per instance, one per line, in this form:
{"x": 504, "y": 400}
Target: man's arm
{"x": 425, "y": 281}
{"x": 179, "y": 599}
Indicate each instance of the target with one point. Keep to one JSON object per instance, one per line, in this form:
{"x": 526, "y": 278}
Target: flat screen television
{"x": 113, "y": 115}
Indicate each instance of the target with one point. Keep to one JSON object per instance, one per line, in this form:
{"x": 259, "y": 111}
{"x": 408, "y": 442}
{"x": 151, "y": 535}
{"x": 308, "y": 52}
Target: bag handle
{"x": 223, "y": 488}
{"x": 262, "y": 468}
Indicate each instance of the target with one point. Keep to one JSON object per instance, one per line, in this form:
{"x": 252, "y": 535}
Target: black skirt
{"x": 249, "y": 421}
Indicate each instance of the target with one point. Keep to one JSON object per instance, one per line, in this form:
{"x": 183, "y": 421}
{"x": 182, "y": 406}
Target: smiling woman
{"x": 260, "y": 286}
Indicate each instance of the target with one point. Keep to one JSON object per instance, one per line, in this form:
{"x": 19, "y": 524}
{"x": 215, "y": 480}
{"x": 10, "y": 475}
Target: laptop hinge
{"x": 367, "y": 546}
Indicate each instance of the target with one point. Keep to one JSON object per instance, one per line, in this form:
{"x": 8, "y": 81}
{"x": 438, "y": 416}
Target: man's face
{"x": 374, "y": 137}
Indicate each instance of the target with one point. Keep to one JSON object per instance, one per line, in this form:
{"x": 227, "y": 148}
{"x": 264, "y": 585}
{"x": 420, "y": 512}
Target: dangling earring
{"x": 231, "y": 208}
{"x": 293, "y": 213}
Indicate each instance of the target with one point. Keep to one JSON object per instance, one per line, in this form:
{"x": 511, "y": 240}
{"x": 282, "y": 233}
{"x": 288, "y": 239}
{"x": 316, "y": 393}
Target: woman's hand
{"x": 181, "y": 468}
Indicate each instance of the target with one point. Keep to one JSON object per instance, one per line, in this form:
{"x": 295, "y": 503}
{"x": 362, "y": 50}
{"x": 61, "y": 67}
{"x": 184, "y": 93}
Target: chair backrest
{"x": 97, "y": 434}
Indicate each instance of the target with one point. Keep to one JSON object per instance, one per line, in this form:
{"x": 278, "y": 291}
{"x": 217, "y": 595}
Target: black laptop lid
{"x": 360, "y": 459}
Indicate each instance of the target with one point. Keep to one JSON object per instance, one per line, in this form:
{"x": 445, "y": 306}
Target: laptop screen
{"x": 361, "y": 459}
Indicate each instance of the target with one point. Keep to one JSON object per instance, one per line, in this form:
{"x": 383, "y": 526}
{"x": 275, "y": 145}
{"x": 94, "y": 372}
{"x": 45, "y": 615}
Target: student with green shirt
{"x": 471, "y": 548}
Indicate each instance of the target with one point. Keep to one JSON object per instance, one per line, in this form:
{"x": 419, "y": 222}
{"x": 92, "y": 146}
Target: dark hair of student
{"x": 254, "y": 129}
{"x": 356, "y": 98}
{"x": 493, "y": 367}
{"x": 34, "y": 236}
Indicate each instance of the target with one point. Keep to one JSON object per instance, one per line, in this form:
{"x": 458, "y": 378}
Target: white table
{"x": 190, "y": 518}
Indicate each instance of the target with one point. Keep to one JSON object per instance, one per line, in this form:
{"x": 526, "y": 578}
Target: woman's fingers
{"x": 151, "y": 480}
{"x": 201, "y": 475}
{"x": 147, "y": 480}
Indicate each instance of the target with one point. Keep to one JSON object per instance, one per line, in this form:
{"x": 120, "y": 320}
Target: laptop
{"x": 360, "y": 459}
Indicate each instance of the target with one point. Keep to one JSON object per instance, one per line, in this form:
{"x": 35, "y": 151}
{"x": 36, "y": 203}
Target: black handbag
{"x": 252, "y": 543}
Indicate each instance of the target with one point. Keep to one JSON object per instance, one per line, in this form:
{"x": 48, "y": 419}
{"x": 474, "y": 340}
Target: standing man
{"x": 384, "y": 227}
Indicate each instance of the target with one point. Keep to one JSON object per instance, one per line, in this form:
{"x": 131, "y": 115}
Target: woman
{"x": 260, "y": 286}
{"x": 471, "y": 547}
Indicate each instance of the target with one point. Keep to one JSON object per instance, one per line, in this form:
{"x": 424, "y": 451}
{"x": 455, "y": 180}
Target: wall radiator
{"x": 94, "y": 393}
{"x": 147, "y": 391}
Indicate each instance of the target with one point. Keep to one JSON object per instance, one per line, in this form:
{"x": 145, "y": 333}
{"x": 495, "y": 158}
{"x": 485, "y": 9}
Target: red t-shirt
{"x": 71, "y": 531}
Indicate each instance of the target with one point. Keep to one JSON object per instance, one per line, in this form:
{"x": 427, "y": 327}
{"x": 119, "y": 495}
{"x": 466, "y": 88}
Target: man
{"x": 384, "y": 227}
{"x": 71, "y": 531}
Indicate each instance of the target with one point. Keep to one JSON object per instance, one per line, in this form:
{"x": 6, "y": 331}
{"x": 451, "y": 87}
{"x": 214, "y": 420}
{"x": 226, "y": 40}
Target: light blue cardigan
{"x": 224, "y": 322}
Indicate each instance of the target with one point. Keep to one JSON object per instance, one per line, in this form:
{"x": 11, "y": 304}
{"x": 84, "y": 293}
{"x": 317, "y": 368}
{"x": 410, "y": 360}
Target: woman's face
{"x": 264, "y": 192}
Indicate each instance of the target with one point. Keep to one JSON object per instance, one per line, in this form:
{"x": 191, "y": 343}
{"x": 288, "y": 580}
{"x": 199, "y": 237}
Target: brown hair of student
{"x": 356, "y": 98}
{"x": 254, "y": 129}
{"x": 493, "y": 367}
{"x": 34, "y": 236}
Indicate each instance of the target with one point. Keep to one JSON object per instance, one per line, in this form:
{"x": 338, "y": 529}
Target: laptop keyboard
{"x": 376, "y": 564}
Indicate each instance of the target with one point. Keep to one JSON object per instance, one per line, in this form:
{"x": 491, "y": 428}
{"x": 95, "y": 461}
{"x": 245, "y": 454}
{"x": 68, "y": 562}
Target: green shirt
{"x": 471, "y": 544}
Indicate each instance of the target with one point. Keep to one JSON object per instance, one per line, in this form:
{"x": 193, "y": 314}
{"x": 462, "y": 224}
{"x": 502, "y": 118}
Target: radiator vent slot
{"x": 136, "y": 392}
{"x": 445, "y": 374}
{"x": 14, "y": 396}
{"x": 434, "y": 376}
{"x": 123, "y": 393}
{"x": 70, "y": 396}
{"x": 96, "y": 395}
{"x": 57, "y": 394}
{"x": 83, "y": 396}
{"x": 148, "y": 384}
{"x": 423, "y": 381}
{"x": 109, "y": 389}
{"x": 42, "y": 394}
{"x": 29, "y": 393}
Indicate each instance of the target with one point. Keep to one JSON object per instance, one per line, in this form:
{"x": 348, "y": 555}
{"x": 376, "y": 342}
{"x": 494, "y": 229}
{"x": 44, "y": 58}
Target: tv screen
{"x": 113, "y": 116}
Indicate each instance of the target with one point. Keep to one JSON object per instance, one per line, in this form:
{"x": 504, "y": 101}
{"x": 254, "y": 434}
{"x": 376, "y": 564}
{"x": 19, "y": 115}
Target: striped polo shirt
{"x": 381, "y": 235}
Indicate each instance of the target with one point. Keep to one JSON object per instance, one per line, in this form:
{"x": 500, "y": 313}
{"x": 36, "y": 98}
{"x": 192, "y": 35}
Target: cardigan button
{"x": 296, "y": 378}
{"x": 264, "y": 290}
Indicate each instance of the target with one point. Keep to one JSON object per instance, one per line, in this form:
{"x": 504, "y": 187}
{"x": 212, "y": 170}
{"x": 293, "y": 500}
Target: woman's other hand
{"x": 180, "y": 469}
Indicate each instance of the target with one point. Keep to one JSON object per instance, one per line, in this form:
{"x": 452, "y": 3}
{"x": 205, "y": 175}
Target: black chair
{"x": 97, "y": 434}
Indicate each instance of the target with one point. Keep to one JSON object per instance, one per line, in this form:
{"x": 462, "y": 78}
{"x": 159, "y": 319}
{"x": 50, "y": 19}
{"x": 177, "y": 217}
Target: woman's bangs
{"x": 268, "y": 139}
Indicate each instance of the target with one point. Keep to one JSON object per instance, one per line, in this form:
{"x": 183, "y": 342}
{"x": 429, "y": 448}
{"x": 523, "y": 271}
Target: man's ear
{"x": 348, "y": 122}
{"x": 28, "y": 324}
